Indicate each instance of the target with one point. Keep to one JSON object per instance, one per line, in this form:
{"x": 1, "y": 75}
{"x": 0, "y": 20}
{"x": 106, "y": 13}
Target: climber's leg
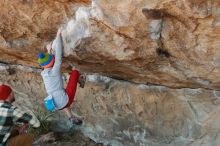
{"x": 68, "y": 112}
{"x": 72, "y": 86}
{"x": 71, "y": 91}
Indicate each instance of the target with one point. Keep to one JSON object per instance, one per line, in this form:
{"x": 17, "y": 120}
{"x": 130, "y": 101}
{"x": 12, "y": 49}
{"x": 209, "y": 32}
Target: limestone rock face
{"x": 166, "y": 51}
{"x": 28, "y": 25}
{"x": 165, "y": 42}
{"x": 119, "y": 113}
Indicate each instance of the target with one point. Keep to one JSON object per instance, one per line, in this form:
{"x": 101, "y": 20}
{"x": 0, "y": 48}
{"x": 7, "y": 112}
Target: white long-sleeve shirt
{"x": 52, "y": 77}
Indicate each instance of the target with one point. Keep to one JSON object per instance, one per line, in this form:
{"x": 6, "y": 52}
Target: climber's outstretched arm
{"x": 57, "y": 46}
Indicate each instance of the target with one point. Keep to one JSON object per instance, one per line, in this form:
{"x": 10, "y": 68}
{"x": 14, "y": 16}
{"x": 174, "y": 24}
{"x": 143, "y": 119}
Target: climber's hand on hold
{"x": 59, "y": 32}
{"x": 49, "y": 48}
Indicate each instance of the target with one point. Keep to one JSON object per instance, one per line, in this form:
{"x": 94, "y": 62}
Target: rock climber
{"x": 10, "y": 119}
{"x": 58, "y": 97}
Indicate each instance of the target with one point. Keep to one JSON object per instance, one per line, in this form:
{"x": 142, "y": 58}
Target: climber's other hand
{"x": 59, "y": 31}
{"x": 49, "y": 48}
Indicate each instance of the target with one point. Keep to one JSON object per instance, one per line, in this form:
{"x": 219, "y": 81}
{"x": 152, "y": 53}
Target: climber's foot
{"x": 82, "y": 80}
{"x": 75, "y": 120}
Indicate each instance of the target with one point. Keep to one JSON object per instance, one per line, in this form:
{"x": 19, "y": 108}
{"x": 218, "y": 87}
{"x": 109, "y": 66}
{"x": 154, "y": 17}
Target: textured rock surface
{"x": 121, "y": 38}
{"x": 120, "y": 113}
{"x": 68, "y": 139}
{"x": 170, "y": 43}
{"x": 28, "y": 25}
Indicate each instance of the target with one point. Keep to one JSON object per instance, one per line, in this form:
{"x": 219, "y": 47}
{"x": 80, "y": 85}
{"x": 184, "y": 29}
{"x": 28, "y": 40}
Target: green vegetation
{"x": 43, "y": 117}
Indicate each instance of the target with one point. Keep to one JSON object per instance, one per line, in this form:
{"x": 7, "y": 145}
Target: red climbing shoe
{"x": 82, "y": 80}
{"x": 75, "y": 120}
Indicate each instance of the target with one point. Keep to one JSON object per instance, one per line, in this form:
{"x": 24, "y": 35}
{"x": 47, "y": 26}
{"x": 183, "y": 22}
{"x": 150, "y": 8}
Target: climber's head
{"x": 46, "y": 60}
{"x": 6, "y": 93}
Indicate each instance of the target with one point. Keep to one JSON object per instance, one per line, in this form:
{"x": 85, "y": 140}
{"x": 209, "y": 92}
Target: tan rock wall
{"x": 166, "y": 42}
{"x": 168, "y": 49}
{"x": 121, "y": 113}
